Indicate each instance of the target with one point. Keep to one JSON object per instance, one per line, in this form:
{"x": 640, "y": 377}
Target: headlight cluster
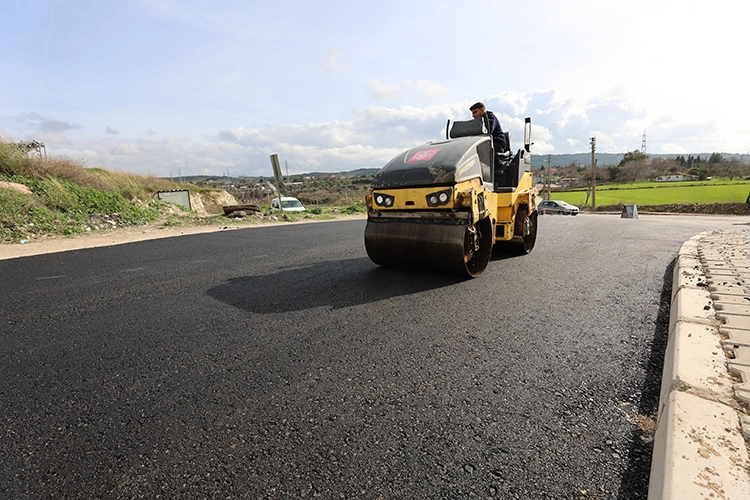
{"x": 383, "y": 200}
{"x": 439, "y": 198}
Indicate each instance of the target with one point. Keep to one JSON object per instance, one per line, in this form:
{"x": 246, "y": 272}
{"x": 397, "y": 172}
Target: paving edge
{"x": 699, "y": 448}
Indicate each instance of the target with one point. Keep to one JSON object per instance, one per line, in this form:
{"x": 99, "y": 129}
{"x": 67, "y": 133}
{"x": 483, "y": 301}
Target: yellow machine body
{"x": 442, "y": 206}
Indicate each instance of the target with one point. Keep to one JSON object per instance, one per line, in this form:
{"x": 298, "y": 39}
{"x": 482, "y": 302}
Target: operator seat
{"x": 505, "y": 165}
{"x": 506, "y": 169}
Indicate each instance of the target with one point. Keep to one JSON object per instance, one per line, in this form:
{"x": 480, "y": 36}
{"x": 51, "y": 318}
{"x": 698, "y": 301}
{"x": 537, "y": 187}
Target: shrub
{"x": 357, "y": 208}
{"x": 12, "y": 159}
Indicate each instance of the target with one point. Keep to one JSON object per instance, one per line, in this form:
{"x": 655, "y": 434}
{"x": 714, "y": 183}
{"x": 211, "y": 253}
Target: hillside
{"x": 41, "y": 197}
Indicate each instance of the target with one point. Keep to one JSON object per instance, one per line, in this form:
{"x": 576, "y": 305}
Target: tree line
{"x": 638, "y": 166}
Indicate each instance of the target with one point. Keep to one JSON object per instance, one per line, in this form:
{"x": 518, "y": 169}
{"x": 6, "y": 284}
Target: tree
{"x": 634, "y": 164}
{"x": 731, "y": 169}
{"x": 569, "y": 171}
{"x": 715, "y": 158}
{"x": 632, "y": 156}
{"x": 663, "y": 166}
{"x": 613, "y": 173}
{"x": 701, "y": 173}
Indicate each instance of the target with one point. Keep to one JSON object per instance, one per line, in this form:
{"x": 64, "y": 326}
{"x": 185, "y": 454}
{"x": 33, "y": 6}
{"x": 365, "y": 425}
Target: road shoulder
{"x": 53, "y": 244}
{"x": 700, "y": 449}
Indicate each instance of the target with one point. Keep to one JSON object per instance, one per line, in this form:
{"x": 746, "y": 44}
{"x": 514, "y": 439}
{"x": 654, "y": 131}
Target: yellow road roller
{"x": 443, "y": 206}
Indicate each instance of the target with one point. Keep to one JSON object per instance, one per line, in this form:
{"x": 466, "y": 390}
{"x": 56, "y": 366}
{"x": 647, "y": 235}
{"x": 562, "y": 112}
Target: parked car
{"x": 557, "y": 207}
{"x": 288, "y": 203}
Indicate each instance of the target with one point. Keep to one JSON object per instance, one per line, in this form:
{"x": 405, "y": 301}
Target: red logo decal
{"x": 425, "y": 155}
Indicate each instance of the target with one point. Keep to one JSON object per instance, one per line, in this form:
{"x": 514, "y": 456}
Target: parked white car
{"x": 288, "y": 203}
{"x": 557, "y": 207}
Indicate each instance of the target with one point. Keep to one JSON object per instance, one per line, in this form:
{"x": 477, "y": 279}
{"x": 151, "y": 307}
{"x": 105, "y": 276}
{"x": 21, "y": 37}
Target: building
{"x": 676, "y": 177}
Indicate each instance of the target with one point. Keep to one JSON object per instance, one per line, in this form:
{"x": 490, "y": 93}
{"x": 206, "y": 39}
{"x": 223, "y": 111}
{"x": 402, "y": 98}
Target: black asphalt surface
{"x": 279, "y": 362}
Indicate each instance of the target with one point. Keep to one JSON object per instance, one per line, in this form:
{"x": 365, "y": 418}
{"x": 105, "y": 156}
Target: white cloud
{"x": 382, "y": 91}
{"x": 673, "y": 148}
{"x": 370, "y": 136}
{"x": 429, "y": 90}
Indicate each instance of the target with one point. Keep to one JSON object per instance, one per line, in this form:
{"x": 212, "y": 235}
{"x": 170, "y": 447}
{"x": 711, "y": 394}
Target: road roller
{"x": 444, "y": 205}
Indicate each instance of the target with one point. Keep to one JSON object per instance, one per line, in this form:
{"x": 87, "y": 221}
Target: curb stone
{"x": 700, "y": 447}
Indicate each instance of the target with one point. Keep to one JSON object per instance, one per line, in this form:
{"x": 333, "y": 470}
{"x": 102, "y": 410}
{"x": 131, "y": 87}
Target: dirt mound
{"x": 15, "y": 187}
{"x": 211, "y": 202}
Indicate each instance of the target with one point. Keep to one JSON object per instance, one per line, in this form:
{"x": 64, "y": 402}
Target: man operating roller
{"x": 498, "y": 137}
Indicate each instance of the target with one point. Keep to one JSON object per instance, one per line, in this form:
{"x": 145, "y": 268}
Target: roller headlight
{"x": 439, "y": 198}
{"x": 383, "y": 200}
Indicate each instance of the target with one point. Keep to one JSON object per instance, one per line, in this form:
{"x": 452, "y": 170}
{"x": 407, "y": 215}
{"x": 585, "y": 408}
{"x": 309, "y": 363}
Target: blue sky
{"x": 214, "y": 86}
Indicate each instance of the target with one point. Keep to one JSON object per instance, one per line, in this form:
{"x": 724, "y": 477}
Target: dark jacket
{"x": 496, "y": 131}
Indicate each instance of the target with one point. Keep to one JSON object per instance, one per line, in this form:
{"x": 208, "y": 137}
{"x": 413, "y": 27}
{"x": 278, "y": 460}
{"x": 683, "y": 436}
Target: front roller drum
{"x": 456, "y": 249}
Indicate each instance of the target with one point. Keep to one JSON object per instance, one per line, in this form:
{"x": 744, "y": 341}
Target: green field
{"x": 652, "y": 193}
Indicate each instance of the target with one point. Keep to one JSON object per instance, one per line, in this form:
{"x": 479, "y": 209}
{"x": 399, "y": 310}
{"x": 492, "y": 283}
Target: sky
{"x": 214, "y": 87}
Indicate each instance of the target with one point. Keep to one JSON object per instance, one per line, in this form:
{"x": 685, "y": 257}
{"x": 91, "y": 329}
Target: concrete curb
{"x": 699, "y": 448}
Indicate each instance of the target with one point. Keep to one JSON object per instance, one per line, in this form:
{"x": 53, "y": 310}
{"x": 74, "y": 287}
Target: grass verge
{"x": 693, "y": 197}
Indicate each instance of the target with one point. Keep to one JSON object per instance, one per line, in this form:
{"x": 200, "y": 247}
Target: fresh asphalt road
{"x": 279, "y": 362}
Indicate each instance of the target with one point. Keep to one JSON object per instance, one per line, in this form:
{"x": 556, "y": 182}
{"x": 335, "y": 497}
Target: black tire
{"x": 524, "y": 243}
{"x": 476, "y": 261}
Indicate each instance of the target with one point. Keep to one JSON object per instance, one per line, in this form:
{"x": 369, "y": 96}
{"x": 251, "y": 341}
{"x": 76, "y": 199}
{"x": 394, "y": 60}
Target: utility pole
{"x": 593, "y": 173}
{"x": 549, "y": 177}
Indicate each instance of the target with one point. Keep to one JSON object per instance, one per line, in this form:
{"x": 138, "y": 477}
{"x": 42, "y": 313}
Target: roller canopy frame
{"x": 438, "y": 163}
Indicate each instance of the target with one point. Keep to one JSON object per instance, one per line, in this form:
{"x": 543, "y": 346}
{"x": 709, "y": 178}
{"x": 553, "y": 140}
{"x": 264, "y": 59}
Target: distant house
{"x": 539, "y": 175}
{"x": 676, "y": 177}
